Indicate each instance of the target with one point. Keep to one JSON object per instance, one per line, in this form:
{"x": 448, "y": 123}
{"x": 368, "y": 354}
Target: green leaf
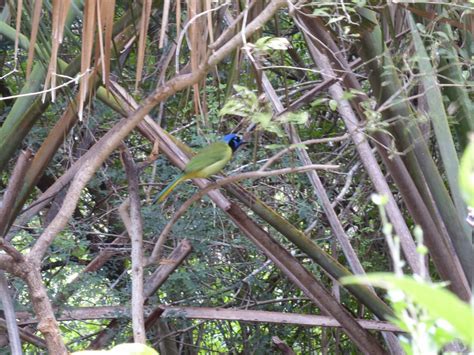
{"x": 466, "y": 173}
{"x": 321, "y": 13}
{"x": 318, "y": 102}
{"x": 278, "y": 43}
{"x": 379, "y": 200}
{"x": 263, "y": 119}
{"x": 267, "y": 44}
{"x": 333, "y": 105}
{"x": 234, "y": 107}
{"x": 242, "y": 104}
{"x": 295, "y": 117}
{"x": 275, "y": 129}
{"x": 437, "y": 301}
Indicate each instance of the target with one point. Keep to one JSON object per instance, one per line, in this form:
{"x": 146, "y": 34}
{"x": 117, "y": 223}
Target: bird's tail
{"x": 168, "y": 189}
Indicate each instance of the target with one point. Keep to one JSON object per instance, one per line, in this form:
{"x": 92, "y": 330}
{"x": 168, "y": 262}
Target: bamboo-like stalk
{"x": 450, "y": 74}
{"x": 27, "y": 110}
{"x": 386, "y": 85}
{"x": 363, "y": 148}
{"x": 56, "y": 135}
{"x": 330, "y": 265}
{"x": 435, "y": 237}
{"x": 437, "y": 113}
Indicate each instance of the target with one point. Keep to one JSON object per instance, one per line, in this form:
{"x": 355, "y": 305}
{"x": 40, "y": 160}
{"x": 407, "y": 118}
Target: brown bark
{"x": 133, "y": 223}
{"x": 47, "y": 325}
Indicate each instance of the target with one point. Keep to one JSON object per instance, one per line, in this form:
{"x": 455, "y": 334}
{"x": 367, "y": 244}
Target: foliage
{"x": 245, "y": 104}
{"x": 267, "y": 44}
{"x": 382, "y": 70}
{"x": 433, "y": 316}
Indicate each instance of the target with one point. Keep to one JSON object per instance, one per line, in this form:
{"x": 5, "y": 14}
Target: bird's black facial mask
{"x": 234, "y": 141}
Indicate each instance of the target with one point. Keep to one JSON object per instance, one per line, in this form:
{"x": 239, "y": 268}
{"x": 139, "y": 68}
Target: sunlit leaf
{"x": 295, "y": 117}
{"x": 437, "y": 301}
{"x": 266, "y": 44}
{"x": 466, "y": 173}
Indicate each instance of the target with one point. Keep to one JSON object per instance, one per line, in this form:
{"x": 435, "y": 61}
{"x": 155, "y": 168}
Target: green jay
{"x": 208, "y": 161}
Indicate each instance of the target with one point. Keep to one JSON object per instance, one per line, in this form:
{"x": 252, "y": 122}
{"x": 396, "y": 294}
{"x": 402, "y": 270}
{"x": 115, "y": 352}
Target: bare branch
{"x": 10, "y": 318}
{"x": 212, "y": 314}
{"x": 282, "y": 152}
{"x": 26, "y": 335}
{"x": 282, "y": 346}
{"x": 161, "y": 274}
{"x": 43, "y": 310}
{"x": 135, "y": 231}
{"x": 269, "y": 317}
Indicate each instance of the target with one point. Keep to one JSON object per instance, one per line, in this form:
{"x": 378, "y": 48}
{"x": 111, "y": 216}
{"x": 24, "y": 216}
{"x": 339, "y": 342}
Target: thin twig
{"x": 73, "y": 80}
{"x": 10, "y": 318}
{"x": 347, "y": 184}
{"x": 294, "y": 146}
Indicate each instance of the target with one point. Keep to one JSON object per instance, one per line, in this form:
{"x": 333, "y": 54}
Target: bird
{"x": 208, "y": 161}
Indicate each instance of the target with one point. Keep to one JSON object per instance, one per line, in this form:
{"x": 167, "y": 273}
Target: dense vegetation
{"x": 356, "y": 115}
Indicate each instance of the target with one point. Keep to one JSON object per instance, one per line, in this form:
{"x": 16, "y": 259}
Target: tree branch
{"x": 47, "y": 325}
{"x": 212, "y": 314}
{"x": 135, "y": 231}
{"x": 10, "y": 318}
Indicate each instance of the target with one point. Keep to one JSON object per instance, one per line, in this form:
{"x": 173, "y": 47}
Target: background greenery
{"x": 387, "y": 48}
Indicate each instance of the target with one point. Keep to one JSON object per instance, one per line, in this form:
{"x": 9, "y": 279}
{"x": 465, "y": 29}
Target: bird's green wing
{"x": 210, "y": 159}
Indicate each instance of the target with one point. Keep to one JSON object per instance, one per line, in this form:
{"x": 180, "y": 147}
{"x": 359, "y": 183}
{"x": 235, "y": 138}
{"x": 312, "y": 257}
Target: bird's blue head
{"x": 233, "y": 141}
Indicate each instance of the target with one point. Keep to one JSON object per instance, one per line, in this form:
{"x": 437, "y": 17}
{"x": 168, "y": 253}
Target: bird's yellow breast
{"x": 209, "y": 161}
{"x": 211, "y": 169}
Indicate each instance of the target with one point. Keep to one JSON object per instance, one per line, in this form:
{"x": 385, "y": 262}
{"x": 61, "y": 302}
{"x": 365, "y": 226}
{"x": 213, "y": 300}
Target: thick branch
{"x": 161, "y": 274}
{"x": 47, "y": 325}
